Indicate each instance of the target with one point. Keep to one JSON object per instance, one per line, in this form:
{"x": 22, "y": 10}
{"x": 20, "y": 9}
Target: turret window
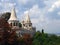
{"x": 14, "y": 24}
{"x": 11, "y": 24}
{"x": 29, "y": 25}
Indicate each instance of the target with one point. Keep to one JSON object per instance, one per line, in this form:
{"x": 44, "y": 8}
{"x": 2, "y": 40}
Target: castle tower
{"x": 13, "y": 21}
{"x": 26, "y": 23}
{"x": 27, "y": 19}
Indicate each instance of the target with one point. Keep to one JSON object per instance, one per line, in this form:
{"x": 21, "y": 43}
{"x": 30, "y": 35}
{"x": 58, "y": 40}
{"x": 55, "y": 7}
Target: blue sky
{"x": 43, "y": 13}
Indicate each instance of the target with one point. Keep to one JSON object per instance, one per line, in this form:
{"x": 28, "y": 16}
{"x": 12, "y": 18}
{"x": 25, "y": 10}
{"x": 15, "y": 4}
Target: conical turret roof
{"x": 27, "y": 18}
{"x": 13, "y": 15}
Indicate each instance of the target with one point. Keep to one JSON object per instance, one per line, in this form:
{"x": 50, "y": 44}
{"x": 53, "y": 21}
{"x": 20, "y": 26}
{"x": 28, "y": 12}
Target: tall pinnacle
{"x": 13, "y": 15}
{"x": 27, "y": 18}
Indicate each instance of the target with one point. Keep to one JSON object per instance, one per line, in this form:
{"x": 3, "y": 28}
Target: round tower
{"x": 26, "y": 23}
{"x": 13, "y": 21}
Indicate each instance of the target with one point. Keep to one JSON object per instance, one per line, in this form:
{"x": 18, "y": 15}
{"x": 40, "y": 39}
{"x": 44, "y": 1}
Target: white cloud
{"x": 4, "y": 0}
{"x": 54, "y": 6}
{"x": 58, "y": 13}
{"x": 23, "y": 1}
{"x": 6, "y": 7}
{"x": 35, "y": 10}
{"x": 35, "y": 21}
{"x": 26, "y": 12}
{"x": 6, "y": 4}
{"x": 34, "y": 13}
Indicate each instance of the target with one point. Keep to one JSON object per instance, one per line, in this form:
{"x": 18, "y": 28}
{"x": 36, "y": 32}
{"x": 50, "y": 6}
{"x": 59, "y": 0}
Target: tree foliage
{"x": 6, "y": 37}
{"x": 6, "y": 15}
{"x": 45, "y": 39}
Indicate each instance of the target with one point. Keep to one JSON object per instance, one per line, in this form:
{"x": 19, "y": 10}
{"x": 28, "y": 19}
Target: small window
{"x": 11, "y": 24}
{"x": 29, "y": 25}
{"x": 23, "y": 24}
{"x": 14, "y": 24}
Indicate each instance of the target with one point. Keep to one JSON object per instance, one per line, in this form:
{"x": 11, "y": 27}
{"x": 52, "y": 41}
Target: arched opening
{"x": 10, "y": 24}
{"x": 14, "y": 23}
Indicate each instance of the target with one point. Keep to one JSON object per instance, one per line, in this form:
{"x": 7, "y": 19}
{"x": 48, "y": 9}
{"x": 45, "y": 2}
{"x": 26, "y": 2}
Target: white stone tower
{"x": 26, "y": 23}
{"x": 13, "y": 21}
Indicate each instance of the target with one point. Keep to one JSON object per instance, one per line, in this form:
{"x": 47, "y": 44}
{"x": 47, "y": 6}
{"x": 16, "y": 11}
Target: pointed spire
{"x": 27, "y": 18}
{"x": 13, "y": 15}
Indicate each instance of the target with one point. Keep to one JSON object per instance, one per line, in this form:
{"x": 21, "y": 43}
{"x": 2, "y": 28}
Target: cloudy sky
{"x": 43, "y": 13}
